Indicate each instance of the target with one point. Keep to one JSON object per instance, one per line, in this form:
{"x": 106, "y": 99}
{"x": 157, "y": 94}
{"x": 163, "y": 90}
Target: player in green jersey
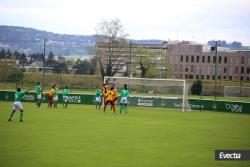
{"x": 38, "y": 95}
{"x": 66, "y": 93}
{"x": 55, "y": 98}
{"x": 17, "y": 105}
{"x": 124, "y": 99}
{"x": 98, "y": 100}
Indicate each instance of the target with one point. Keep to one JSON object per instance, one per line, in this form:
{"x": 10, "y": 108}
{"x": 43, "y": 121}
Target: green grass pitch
{"x": 146, "y": 137}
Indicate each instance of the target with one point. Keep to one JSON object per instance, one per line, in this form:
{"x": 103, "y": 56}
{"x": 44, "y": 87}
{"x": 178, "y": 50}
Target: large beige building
{"x": 196, "y": 61}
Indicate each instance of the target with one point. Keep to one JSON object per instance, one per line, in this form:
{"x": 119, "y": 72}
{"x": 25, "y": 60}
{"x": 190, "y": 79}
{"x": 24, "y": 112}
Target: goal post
{"x": 165, "y": 92}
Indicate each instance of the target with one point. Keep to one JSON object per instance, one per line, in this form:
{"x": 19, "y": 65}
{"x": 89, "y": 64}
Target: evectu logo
{"x": 232, "y": 154}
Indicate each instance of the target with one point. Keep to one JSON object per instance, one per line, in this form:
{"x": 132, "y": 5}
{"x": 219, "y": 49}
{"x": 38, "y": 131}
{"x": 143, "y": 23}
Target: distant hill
{"x": 29, "y": 40}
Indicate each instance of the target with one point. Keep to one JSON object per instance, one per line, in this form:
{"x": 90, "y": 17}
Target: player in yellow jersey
{"x": 51, "y": 96}
{"x": 109, "y": 96}
{"x": 115, "y": 96}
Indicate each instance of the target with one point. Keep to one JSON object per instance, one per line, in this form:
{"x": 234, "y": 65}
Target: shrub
{"x": 196, "y": 87}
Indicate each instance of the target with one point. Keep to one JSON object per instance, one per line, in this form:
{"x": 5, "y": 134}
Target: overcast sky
{"x": 196, "y": 20}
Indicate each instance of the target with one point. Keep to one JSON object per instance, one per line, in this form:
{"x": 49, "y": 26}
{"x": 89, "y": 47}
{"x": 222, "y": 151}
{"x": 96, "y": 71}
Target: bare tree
{"x": 110, "y": 41}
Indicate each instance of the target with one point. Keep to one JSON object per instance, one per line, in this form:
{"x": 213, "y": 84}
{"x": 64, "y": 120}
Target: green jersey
{"x": 56, "y": 94}
{"x": 19, "y": 95}
{"x": 66, "y": 92}
{"x": 38, "y": 90}
{"x": 124, "y": 93}
{"x": 98, "y": 93}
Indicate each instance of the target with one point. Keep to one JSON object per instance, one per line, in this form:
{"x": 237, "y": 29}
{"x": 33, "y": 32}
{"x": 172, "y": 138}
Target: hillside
{"x": 29, "y": 40}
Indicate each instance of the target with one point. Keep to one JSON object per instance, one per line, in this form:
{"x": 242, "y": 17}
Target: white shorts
{"x": 17, "y": 105}
{"x": 124, "y": 100}
{"x": 98, "y": 99}
{"x": 65, "y": 98}
{"x": 55, "y": 98}
{"x": 39, "y": 97}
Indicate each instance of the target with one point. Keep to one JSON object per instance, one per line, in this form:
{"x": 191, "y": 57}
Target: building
{"x": 196, "y": 61}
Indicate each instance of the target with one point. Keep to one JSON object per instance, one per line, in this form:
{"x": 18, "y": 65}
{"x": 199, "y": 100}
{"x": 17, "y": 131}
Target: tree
{"x": 148, "y": 61}
{"x": 110, "y": 41}
{"x": 82, "y": 67}
{"x": 2, "y": 54}
{"x": 92, "y": 64}
{"x": 22, "y": 59}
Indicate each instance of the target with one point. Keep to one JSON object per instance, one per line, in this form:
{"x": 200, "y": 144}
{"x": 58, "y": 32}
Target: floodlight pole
{"x": 44, "y": 44}
{"x": 130, "y": 54}
{"x": 215, "y": 79}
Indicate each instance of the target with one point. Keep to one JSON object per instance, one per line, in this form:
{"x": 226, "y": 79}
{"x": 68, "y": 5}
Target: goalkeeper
{"x": 17, "y": 105}
{"x": 124, "y": 99}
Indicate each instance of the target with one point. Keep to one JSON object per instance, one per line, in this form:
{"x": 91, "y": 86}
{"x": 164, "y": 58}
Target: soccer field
{"x": 145, "y": 137}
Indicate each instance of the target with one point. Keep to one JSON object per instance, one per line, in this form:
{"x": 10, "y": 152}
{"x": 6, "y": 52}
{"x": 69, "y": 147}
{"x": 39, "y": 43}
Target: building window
{"x": 208, "y": 59}
{"x": 247, "y": 78}
{"x": 186, "y": 76}
{"x": 225, "y": 59}
{"x": 192, "y": 58}
{"x": 230, "y": 77}
{"x": 186, "y": 68}
{"x": 248, "y": 70}
{"x": 242, "y": 70}
{"x": 213, "y": 69}
{"x": 197, "y": 76}
{"x": 214, "y": 59}
{"x": 236, "y": 69}
{"x": 219, "y": 77}
{"x": 202, "y": 69}
{"x": 230, "y": 70}
{"x": 219, "y": 59}
{"x": 203, "y": 59}
{"x": 202, "y": 76}
{"x": 241, "y": 78}
{"x": 225, "y": 70}
{"x": 207, "y": 77}
{"x": 198, "y": 59}
{"x": 225, "y": 77}
{"x": 192, "y": 68}
{"x": 181, "y": 68}
{"x": 208, "y": 69}
{"x": 213, "y": 77}
{"x": 181, "y": 58}
{"x": 197, "y": 69}
{"x": 186, "y": 58}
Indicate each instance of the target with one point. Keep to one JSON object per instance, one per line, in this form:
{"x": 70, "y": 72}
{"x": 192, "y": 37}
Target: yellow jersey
{"x": 110, "y": 95}
{"x": 52, "y": 92}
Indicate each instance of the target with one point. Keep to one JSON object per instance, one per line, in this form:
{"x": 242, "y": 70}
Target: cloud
{"x": 194, "y": 19}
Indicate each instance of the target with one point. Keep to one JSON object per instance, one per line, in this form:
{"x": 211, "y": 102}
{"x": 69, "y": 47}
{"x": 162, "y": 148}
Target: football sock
{"x": 21, "y": 115}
